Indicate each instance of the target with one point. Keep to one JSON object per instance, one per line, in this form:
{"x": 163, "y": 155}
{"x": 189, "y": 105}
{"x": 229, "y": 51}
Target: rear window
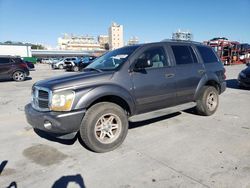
{"x": 4, "y": 60}
{"x": 184, "y": 55}
{"x": 207, "y": 54}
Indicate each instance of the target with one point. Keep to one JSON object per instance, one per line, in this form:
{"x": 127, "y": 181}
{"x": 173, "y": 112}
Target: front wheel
{"x": 60, "y": 66}
{"x": 75, "y": 69}
{"x": 208, "y": 101}
{"x": 18, "y": 76}
{"x": 104, "y": 127}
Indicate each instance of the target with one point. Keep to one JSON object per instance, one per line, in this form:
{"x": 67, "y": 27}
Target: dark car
{"x": 85, "y": 62}
{"x": 30, "y": 65}
{"x": 13, "y": 68}
{"x": 132, "y": 83}
{"x": 244, "y": 77}
{"x": 79, "y": 63}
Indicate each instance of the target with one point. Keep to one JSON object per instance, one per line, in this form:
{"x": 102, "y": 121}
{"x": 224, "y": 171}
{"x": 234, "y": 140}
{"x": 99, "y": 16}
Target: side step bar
{"x": 161, "y": 112}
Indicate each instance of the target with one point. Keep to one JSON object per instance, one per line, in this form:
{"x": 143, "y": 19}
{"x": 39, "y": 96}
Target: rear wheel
{"x": 104, "y": 127}
{"x": 18, "y": 76}
{"x": 60, "y": 66}
{"x": 208, "y": 101}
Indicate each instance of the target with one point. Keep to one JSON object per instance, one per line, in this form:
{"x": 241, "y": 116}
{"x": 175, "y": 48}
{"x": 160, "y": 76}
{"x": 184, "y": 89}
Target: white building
{"x": 116, "y": 36}
{"x": 133, "y": 40}
{"x": 22, "y": 50}
{"x": 103, "y": 40}
{"x": 182, "y": 35}
{"x": 72, "y": 42}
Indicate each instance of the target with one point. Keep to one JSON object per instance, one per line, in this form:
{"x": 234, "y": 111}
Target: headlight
{"x": 243, "y": 75}
{"x": 62, "y": 101}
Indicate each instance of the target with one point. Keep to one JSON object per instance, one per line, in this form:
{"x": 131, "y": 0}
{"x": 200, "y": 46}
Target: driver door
{"x": 154, "y": 87}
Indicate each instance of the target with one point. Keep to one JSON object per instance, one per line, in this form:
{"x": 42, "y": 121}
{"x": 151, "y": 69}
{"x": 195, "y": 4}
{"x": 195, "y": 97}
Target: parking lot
{"x": 178, "y": 150}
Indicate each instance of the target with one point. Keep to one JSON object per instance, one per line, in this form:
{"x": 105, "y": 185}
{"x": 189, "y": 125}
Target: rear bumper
{"x": 61, "y": 122}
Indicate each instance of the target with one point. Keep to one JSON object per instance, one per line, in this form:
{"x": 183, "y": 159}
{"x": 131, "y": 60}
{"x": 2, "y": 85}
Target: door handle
{"x": 201, "y": 71}
{"x": 169, "y": 75}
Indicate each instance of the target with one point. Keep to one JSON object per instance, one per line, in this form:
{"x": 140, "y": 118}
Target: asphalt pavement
{"x": 178, "y": 150}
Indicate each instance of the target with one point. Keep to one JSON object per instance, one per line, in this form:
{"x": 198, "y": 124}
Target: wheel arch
{"x": 114, "y": 94}
{"x": 207, "y": 81}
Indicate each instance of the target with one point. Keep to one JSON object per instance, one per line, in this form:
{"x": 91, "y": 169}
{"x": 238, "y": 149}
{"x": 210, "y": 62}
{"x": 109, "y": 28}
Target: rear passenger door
{"x": 154, "y": 87}
{"x": 5, "y": 67}
{"x": 188, "y": 70}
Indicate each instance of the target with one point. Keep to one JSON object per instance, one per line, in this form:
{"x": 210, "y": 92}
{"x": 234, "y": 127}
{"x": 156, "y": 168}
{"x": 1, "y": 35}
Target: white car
{"x": 60, "y": 64}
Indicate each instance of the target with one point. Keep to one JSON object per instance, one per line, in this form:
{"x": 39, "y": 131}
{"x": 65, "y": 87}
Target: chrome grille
{"x": 43, "y": 94}
{"x": 40, "y": 98}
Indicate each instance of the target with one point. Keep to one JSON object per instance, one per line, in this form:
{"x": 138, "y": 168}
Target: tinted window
{"x": 17, "y": 60}
{"x": 193, "y": 55}
{"x": 156, "y": 56}
{"x": 207, "y": 54}
{"x": 184, "y": 55}
{"x": 4, "y": 60}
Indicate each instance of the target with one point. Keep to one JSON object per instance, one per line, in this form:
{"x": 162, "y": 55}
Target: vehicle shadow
{"x": 10, "y": 80}
{"x": 233, "y": 84}
{"x": 2, "y": 166}
{"x": 133, "y": 125}
{"x": 66, "y": 141}
{"x": 68, "y": 181}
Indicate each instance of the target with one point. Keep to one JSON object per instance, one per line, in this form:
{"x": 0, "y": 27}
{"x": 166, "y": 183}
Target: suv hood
{"x": 75, "y": 80}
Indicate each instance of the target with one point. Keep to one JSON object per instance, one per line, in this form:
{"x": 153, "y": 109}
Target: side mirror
{"x": 142, "y": 64}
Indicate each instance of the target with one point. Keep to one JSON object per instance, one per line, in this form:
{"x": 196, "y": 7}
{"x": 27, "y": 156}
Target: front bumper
{"x": 245, "y": 82}
{"x": 61, "y": 122}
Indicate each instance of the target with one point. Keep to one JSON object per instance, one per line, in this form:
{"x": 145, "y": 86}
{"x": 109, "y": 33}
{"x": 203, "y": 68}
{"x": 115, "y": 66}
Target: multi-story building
{"x": 182, "y": 35}
{"x": 133, "y": 40}
{"x": 72, "y": 42}
{"x": 116, "y": 36}
{"x": 103, "y": 41}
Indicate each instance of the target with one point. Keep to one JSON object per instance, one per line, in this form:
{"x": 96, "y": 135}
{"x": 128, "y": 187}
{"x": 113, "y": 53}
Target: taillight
{"x": 23, "y": 65}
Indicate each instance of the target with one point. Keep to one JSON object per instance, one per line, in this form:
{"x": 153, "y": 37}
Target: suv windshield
{"x": 112, "y": 60}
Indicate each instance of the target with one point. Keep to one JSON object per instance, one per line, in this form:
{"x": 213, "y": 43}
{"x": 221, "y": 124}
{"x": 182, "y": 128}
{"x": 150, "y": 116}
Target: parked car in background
{"x": 13, "y": 68}
{"x": 244, "y": 77}
{"x": 46, "y": 61}
{"x": 79, "y": 64}
{"x": 132, "y": 83}
{"x": 86, "y": 61}
{"x": 61, "y": 63}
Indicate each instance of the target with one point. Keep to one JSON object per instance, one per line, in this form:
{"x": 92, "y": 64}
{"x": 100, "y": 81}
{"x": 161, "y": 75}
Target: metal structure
{"x": 182, "y": 35}
{"x": 230, "y": 52}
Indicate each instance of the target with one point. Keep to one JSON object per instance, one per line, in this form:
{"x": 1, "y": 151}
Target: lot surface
{"x": 179, "y": 150}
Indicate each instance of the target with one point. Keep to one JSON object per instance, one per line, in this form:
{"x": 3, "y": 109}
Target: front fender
{"x": 106, "y": 90}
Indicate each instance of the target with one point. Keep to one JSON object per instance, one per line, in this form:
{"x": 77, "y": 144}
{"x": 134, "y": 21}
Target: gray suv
{"x": 132, "y": 83}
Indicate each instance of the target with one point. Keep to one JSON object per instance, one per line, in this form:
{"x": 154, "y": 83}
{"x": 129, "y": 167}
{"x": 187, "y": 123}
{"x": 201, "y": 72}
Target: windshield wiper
{"x": 92, "y": 69}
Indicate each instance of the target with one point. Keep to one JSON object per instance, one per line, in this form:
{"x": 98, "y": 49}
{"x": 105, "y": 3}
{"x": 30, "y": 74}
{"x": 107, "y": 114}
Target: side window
{"x": 4, "y": 60}
{"x": 183, "y": 55}
{"x": 207, "y": 54}
{"x": 193, "y": 55}
{"x": 156, "y": 56}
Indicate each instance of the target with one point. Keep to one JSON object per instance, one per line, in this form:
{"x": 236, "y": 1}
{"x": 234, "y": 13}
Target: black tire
{"x": 96, "y": 123}
{"x": 75, "y": 69}
{"x": 208, "y": 101}
{"x": 19, "y": 76}
{"x": 60, "y": 66}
